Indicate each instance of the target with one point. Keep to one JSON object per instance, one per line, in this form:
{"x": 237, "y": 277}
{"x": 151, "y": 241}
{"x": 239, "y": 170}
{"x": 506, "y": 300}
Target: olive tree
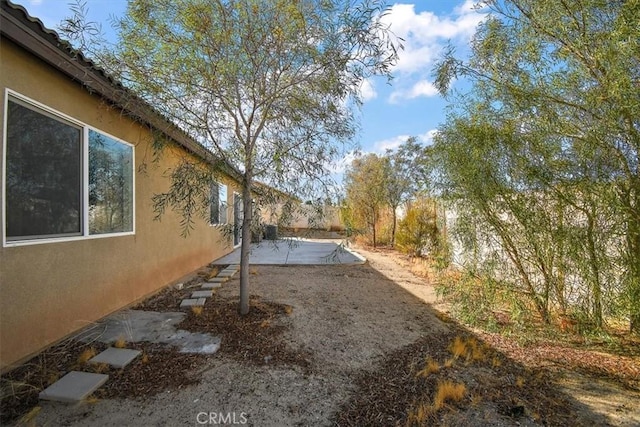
{"x": 268, "y": 86}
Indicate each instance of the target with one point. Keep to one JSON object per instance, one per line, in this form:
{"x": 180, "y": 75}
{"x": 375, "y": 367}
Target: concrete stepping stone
{"x": 218, "y": 280}
{"x": 193, "y": 302}
{"x": 116, "y": 357}
{"x": 211, "y": 286}
{"x": 226, "y": 273}
{"x": 202, "y": 294}
{"x": 73, "y": 387}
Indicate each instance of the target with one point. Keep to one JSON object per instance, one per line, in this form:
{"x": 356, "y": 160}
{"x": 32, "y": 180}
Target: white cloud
{"x": 368, "y": 90}
{"x": 379, "y": 147}
{"x": 420, "y": 88}
{"x": 427, "y": 137}
{"x": 389, "y": 143}
{"x": 425, "y": 34}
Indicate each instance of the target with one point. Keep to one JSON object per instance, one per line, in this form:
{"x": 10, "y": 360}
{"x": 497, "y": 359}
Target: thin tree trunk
{"x": 374, "y": 229}
{"x": 245, "y": 246}
{"x": 393, "y": 228}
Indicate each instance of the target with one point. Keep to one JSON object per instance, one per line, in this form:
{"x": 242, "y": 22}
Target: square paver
{"x": 193, "y": 302}
{"x": 218, "y": 280}
{"x": 116, "y": 357}
{"x": 202, "y": 294}
{"x": 73, "y": 387}
{"x": 225, "y": 273}
{"x": 211, "y": 285}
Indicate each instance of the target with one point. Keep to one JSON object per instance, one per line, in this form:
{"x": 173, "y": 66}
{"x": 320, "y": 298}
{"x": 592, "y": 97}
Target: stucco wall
{"x": 48, "y": 291}
{"x": 304, "y": 217}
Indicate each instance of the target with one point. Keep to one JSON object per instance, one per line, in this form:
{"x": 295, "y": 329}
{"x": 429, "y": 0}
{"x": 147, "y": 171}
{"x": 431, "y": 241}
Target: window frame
{"x": 84, "y": 185}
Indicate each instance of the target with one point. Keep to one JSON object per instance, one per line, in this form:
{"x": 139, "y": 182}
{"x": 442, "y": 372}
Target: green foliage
{"x": 364, "y": 183}
{"x": 418, "y": 231}
{"x": 541, "y": 157}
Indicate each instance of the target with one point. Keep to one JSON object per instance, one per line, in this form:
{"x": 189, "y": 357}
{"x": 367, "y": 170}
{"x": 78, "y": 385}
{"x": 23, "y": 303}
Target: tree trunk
{"x": 245, "y": 246}
{"x": 373, "y": 224}
{"x": 393, "y": 228}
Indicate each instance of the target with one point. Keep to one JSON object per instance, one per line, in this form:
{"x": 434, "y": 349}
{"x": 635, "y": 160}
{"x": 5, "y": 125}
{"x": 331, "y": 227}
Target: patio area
{"x": 296, "y": 251}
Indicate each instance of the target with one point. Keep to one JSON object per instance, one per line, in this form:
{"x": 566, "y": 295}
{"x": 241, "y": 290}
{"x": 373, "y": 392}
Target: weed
{"x": 430, "y": 367}
{"x": 87, "y": 353}
{"x": 448, "y": 363}
{"x": 458, "y": 348}
{"x": 496, "y": 362}
{"x": 145, "y": 358}
{"x": 476, "y": 399}
{"x": 197, "y": 310}
{"x": 92, "y": 400}
{"x": 265, "y": 323}
{"x": 519, "y": 381}
{"x": 100, "y": 367}
{"x": 477, "y": 350}
{"x": 253, "y": 271}
{"x": 288, "y": 309}
{"x": 448, "y": 391}
{"x": 419, "y": 414}
{"x": 120, "y": 343}
{"x": 53, "y": 376}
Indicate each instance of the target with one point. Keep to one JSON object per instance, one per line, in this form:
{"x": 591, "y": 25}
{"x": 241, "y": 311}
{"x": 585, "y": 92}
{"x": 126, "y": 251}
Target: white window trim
{"x": 85, "y": 177}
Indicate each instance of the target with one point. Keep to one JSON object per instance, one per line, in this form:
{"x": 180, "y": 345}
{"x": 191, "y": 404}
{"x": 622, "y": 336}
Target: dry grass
{"x": 86, "y": 355}
{"x": 448, "y": 391}
{"x": 288, "y": 310}
{"x": 120, "y": 343}
{"x": 458, "y": 348}
{"x": 197, "y": 311}
{"x": 468, "y": 348}
{"x": 431, "y": 366}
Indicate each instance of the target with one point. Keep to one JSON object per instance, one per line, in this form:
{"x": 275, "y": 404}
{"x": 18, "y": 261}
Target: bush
{"x": 418, "y": 232}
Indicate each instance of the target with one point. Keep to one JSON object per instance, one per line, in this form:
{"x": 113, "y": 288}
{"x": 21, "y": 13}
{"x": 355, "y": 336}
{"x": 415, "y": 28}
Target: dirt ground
{"x": 341, "y": 345}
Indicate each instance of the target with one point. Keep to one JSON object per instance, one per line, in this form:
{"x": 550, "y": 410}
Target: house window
{"x": 218, "y": 207}
{"x": 63, "y": 179}
{"x": 110, "y": 185}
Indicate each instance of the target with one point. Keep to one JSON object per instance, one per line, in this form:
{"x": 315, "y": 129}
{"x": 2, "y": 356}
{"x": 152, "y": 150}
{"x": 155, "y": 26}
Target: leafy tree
{"x": 268, "y": 86}
{"x": 401, "y": 171}
{"x": 544, "y": 149}
{"x": 418, "y": 230}
{"x": 365, "y": 189}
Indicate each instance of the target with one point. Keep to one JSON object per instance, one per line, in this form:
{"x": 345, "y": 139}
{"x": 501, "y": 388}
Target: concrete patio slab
{"x": 211, "y": 285}
{"x": 202, "y": 294}
{"x": 73, "y": 387}
{"x": 156, "y": 327}
{"x": 193, "y": 302}
{"x": 116, "y": 357}
{"x": 296, "y": 251}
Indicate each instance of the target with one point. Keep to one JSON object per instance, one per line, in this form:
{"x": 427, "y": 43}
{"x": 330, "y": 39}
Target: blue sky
{"x": 410, "y": 106}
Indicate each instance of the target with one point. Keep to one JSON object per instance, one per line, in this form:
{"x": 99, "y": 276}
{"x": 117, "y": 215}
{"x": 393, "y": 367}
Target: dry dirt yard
{"x": 333, "y": 345}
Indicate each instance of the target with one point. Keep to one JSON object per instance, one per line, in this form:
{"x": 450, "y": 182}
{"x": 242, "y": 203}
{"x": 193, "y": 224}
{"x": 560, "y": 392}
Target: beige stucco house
{"x": 79, "y": 239}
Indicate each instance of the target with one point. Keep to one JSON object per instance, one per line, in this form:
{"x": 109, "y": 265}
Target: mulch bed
{"x": 255, "y": 338}
{"x": 622, "y": 369}
{"x": 395, "y": 394}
